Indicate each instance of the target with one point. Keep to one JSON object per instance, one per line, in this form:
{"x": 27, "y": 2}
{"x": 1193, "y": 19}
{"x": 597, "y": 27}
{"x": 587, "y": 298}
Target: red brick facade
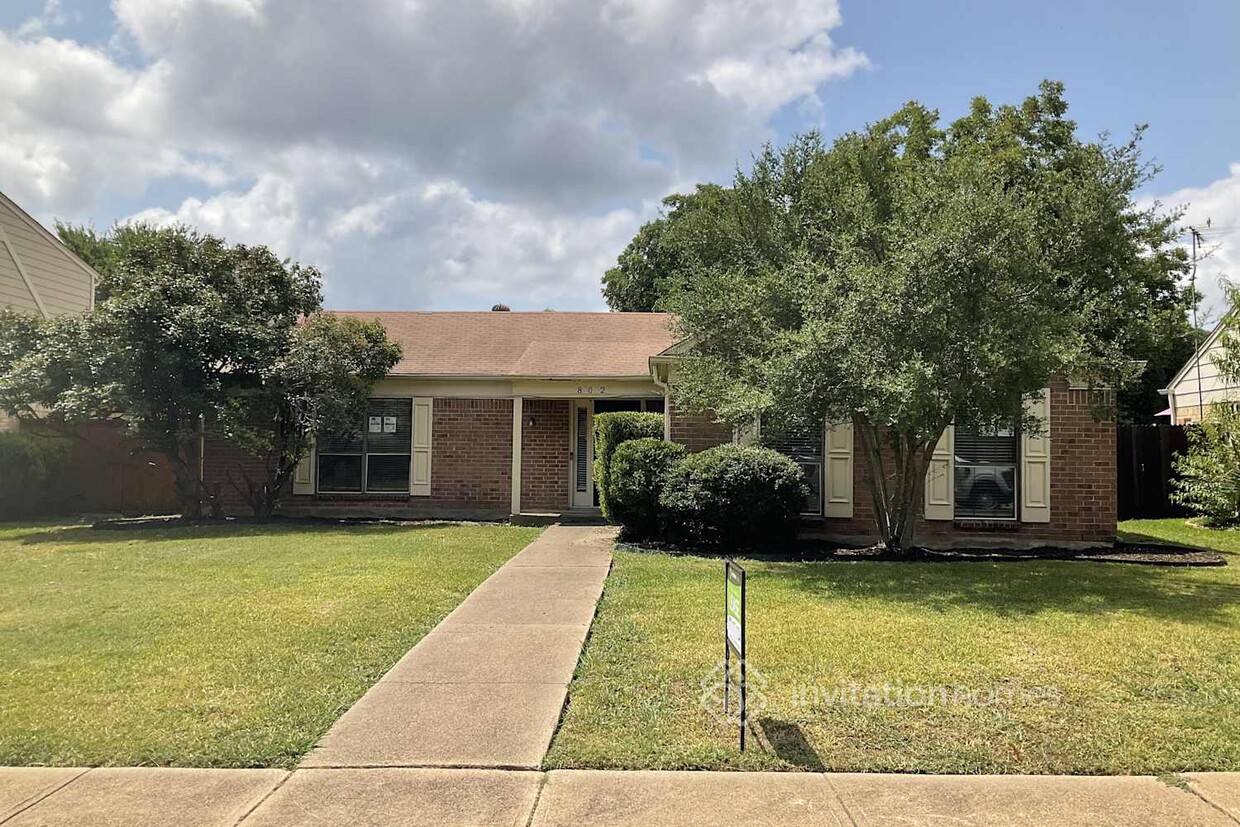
{"x": 697, "y": 432}
{"x": 545, "y": 457}
{"x": 1083, "y": 500}
{"x": 471, "y": 456}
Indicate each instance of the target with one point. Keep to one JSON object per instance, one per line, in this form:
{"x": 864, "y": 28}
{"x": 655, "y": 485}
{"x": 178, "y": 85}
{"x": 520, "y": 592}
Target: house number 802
{"x": 588, "y": 390}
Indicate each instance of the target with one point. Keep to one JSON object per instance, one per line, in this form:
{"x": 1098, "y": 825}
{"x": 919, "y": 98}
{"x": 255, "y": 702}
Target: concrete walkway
{"x": 486, "y": 687}
{"x": 453, "y": 734}
{"x": 407, "y": 797}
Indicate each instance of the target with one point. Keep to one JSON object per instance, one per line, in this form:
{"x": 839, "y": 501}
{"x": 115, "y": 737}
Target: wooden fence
{"x": 1143, "y": 465}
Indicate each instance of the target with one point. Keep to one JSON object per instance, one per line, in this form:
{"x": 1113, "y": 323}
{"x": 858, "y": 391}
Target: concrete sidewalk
{"x": 486, "y": 687}
{"x": 407, "y": 797}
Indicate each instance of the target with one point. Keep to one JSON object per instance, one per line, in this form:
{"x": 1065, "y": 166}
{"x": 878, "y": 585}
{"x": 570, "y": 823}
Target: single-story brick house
{"x": 490, "y": 415}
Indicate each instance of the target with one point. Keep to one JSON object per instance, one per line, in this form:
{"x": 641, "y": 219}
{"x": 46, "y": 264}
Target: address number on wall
{"x": 591, "y": 390}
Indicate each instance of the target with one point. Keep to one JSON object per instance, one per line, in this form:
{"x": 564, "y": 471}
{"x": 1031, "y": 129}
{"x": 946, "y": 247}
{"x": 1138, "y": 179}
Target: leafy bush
{"x": 34, "y": 467}
{"x": 1208, "y": 476}
{"x": 610, "y": 430}
{"x": 733, "y": 494}
{"x": 638, "y": 472}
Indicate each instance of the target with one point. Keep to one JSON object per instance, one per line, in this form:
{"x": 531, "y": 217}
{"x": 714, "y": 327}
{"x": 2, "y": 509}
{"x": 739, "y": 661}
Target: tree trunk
{"x": 897, "y": 493}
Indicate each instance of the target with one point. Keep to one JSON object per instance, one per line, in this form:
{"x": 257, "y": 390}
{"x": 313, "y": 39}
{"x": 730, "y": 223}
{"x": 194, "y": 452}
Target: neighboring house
{"x": 1197, "y": 385}
{"x": 39, "y": 274}
{"x": 491, "y": 414}
{"x": 107, "y": 470}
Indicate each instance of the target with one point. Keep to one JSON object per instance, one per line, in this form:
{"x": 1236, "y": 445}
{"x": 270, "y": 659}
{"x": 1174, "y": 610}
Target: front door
{"x": 583, "y": 454}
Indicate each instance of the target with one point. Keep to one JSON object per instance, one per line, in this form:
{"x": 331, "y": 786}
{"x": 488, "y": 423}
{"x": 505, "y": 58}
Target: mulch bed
{"x": 1146, "y": 554}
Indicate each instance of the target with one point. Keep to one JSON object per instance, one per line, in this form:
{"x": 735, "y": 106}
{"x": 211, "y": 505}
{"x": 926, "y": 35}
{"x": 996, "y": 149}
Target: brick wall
{"x": 471, "y": 470}
{"x": 222, "y": 464}
{"x": 697, "y": 432}
{"x": 1083, "y": 498}
{"x": 545, "y": 456}
{"x": 471, "y": 456}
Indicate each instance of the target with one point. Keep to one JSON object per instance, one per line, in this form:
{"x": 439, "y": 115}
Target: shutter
{"x": 1035, "y": 462}
{"x": 420, "y": 452}
{"x": 303, "y": 476}
{"x": 941, "y": 479}
{"x": 839, "y": 471}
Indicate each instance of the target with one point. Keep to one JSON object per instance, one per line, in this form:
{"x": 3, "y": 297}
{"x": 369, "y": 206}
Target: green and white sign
{"x": 734, "y": 636}
{"x": 735, "y": 608}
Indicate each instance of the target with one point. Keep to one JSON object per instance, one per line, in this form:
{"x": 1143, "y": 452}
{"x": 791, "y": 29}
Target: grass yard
{"x": 213, "y": 647}
{"x": 1065, "y": 667}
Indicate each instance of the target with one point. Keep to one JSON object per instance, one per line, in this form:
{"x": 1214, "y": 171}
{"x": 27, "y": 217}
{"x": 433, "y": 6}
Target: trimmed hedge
{"x": 637, "y": 475}
{"x": 33, "y": 470}
{"x": 733, "y": 495}
{"x": 610, "y": 430}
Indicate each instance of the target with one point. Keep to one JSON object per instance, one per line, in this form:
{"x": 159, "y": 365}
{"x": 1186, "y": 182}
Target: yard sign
{"x": 734, "y": 635}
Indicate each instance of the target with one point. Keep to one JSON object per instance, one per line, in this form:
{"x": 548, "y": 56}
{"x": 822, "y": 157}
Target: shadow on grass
{"x": 88, "y": 535}
{"x": 1186, "y": 539}
{"x": 1025, "y": 591}
{"x": 789, "y": 744}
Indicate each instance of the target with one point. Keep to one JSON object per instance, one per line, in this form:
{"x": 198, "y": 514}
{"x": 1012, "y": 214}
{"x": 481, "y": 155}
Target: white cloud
{"x": 385, "y": 237}
{"x": 446, "y": 148}
{"x": 1215, "y": 211}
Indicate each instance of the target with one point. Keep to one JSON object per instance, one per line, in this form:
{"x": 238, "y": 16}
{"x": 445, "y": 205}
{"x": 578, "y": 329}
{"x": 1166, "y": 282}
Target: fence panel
{"x": 1143, "y": 464}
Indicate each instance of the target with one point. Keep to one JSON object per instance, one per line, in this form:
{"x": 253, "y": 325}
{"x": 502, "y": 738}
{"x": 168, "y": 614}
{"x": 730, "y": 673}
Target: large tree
{"x": 914, "y": 275}
{"x": 318, "y": 387}
{"x": 182, "y": 320}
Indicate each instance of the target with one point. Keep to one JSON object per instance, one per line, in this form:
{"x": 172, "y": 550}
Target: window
{"x": 985, "y": 484}
{"x": 805, "y": 448}
{"x": 376, "y": 459}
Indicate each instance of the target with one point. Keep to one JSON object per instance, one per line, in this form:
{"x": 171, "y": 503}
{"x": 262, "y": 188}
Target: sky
{"x": 452, "y": 154}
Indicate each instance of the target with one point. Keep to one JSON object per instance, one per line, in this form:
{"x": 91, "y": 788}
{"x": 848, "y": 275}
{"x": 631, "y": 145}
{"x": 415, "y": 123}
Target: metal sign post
{"x": 734, "y": 635}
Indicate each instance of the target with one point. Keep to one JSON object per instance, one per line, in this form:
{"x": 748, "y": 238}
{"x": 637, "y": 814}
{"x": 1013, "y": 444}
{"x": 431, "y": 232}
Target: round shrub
{"x": 638, "y": 471}
{"x": 34, "y": 469}
{"x": 610, "y": 431}
{"x": 735, "y": 495}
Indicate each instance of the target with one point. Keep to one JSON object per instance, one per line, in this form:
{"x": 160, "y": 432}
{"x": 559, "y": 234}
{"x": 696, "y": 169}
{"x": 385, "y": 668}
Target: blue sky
{"x": 426, "y": 159}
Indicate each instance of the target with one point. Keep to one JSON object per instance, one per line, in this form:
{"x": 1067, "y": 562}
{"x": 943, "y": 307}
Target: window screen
{"x": 376, "y": 458}
{"x": 986, "y": 473}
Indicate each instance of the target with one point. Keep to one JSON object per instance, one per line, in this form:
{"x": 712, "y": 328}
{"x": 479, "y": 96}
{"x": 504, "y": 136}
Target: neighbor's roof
{"x": 515, "y": 344}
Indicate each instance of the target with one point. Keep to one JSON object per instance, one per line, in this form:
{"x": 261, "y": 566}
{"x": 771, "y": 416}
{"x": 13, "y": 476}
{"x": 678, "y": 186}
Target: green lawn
{"x": 1066, "y": 667}
{"x": 213, "y": 647}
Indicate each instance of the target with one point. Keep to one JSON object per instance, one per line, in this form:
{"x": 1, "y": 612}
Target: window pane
{"x": 654, "y": 406}
{"x": 616, "y": 405}
{"x": 347, "y": 444}
{"x": 805, "y": 448}
{"x": 389, "y": 426}
{"x": 340, "y": 472}
{"x": 387, "y": 473}
{"x": 986, "y": 474}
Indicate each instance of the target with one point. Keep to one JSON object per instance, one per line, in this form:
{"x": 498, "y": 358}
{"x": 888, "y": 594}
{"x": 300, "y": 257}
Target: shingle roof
{"x": 542, "y": 345}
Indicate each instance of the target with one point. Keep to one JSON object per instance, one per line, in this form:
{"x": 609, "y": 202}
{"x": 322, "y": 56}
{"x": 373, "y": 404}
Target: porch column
{"x": 516, "y": 453}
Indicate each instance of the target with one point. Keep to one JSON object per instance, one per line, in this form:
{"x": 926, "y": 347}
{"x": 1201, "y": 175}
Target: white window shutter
{"x": 941, "y": 478}
{"x": 303, "y": 476}
{"x": 838, "y": 477}
{"x": 1035, "y": 462}
{"x": 420, "y": 451}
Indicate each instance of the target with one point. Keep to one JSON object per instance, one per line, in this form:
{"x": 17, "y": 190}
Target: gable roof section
{"x": 39, "y": 273}
{"x": 1206, "y": 346}
{"x": 541, "y": 345}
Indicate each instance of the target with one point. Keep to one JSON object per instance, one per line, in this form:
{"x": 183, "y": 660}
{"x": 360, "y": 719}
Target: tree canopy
{"x": 912, "y": 275}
